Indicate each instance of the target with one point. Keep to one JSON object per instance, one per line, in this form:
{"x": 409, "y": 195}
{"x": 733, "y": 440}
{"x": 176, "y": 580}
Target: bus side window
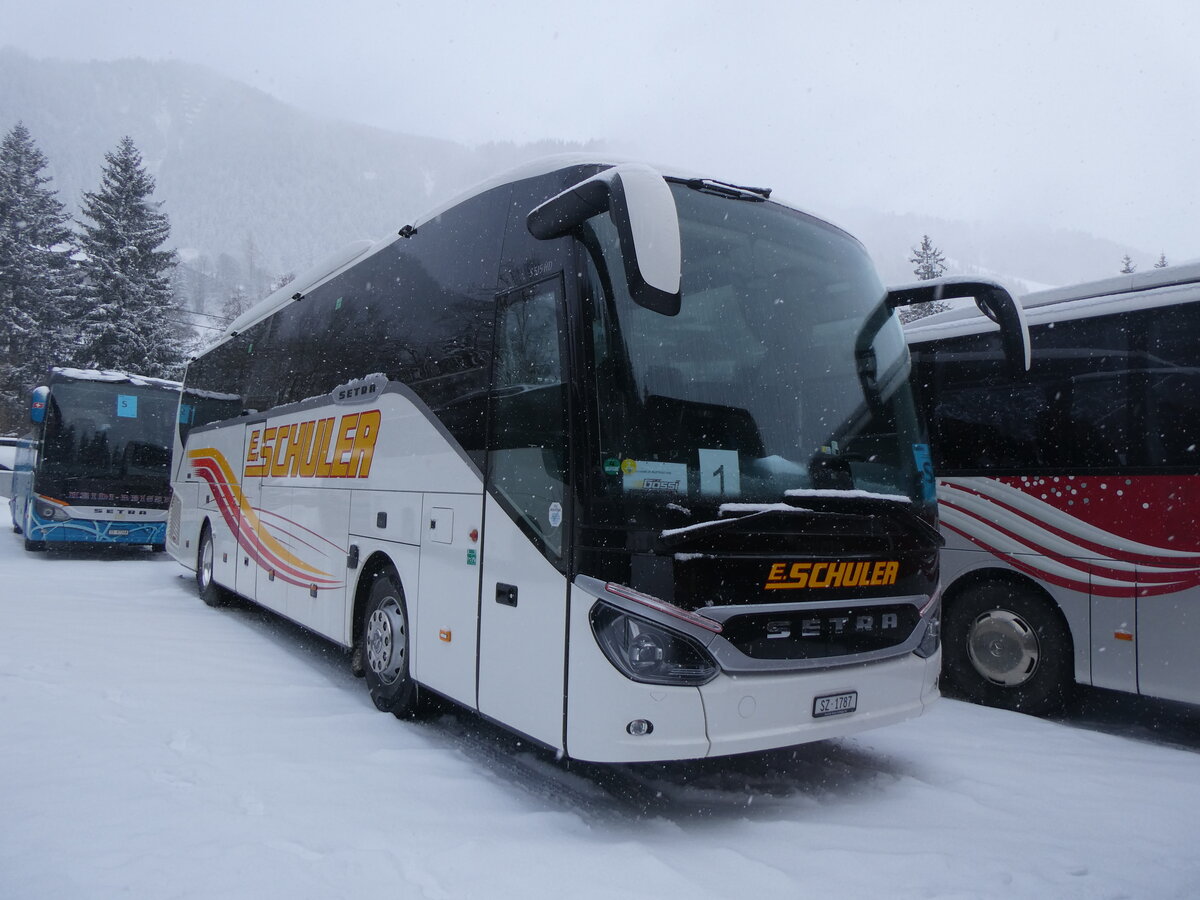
{"x": 1173, "y": 387}
{"x": 527, "y": 447}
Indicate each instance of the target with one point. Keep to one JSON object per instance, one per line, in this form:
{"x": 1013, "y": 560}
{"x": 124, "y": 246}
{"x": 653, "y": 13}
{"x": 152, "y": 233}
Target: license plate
{"x": 835, "y": 704}
{"x": 118, "y": 532}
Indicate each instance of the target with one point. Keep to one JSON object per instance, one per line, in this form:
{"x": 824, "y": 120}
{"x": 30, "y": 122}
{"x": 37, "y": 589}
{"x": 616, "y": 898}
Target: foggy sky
{"x": 1073, "y": 115}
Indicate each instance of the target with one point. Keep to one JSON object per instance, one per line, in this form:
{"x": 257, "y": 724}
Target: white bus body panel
{"x": 448, "y": 631}
{"x": 732, "y": 713}
{"x": 760, "y": 712}
{"x": 319, "y": 521}
{"x": 522, "y": 647}
{"x": 1168, "y": 635}
{"x": 601, "y": 702}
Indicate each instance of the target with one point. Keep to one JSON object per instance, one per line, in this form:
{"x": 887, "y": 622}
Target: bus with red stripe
{"x": 1070, "y": 497}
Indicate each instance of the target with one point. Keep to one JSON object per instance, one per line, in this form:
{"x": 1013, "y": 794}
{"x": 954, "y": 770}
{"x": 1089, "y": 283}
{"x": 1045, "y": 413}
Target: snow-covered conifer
{"x": 1127, "y": 266}
{"x": 928, "y": 264}
{"x": 132, "y": 320}
{"x": 38, "y": 282}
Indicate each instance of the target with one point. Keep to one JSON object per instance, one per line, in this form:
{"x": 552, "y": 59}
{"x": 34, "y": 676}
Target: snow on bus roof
{"x": 1140, "y": 290}
{"x": 114, "y": 376}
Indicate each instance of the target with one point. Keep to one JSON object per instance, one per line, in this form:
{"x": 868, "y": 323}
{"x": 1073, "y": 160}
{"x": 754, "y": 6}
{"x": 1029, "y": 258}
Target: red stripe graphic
{"x": 251, "y": 533}
{"x": 1070, "y": 552}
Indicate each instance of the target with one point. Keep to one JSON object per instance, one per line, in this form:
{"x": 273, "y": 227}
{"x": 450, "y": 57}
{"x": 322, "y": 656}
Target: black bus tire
{"x": 210, "y": 592}
{"x": 1005, "y": 646}
{"x": 386, "y": 642}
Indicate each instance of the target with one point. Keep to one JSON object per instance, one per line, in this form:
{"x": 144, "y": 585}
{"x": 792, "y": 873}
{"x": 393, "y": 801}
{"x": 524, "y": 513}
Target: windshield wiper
{"x": 672, "y": 537}
{"x": 725, "y": 189}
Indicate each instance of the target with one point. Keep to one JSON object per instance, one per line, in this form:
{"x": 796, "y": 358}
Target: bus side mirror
{"x": 647, "y": 223}
{"x": 993, "y": 300}
{"x": 37, "y": 404}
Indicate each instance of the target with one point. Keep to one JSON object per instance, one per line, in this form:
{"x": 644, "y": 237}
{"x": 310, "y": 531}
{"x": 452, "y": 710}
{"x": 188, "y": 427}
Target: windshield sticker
{"x": 719, "y": 473}
{"x": 612, "y": 466}
{"x": 655, "y": 477}
{"x": 127, "y": 406}
{"x": 925, "y": 466}
{"x": 555, "y": 515}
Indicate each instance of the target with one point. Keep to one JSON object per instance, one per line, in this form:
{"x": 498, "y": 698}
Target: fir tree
{"x": 131, "y": 321}
{"x": 235, "y": 304}
{"x": 928, "y": 264}
{"x": 1162, "y": 261}
{"x": 37, "y": 278}
{"x": 1127, "y": 266}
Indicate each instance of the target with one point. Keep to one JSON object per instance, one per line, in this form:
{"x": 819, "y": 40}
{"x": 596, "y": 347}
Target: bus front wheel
{"x": 1005, "y": 646}
{"x": 385, "y": 648}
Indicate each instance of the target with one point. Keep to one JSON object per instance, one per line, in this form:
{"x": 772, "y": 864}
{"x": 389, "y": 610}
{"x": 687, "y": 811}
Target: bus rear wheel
{"x": 210, "y": 592}
{"x": 1004, "y": 646}
{"x": 385, "y": 645}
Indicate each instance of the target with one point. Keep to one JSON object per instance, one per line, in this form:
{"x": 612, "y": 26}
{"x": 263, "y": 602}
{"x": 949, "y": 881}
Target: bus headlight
{"x": 51, "y": 511}
{"x": 647, "y": 652}
{"x": 932, "y": 638}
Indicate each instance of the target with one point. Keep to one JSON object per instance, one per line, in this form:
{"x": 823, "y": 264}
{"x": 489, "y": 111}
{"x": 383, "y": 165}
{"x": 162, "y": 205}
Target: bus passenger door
{"x": 523, "y": 599}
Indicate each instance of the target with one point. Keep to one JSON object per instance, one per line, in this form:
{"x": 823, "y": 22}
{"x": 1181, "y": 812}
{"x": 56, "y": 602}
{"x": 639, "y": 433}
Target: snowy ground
{"x": 153, "y": 747}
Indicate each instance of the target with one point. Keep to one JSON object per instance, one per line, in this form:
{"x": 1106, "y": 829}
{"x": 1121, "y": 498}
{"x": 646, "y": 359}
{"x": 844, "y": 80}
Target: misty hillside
{"x": 255, "y": 188}
{"x": 232, "y": 161}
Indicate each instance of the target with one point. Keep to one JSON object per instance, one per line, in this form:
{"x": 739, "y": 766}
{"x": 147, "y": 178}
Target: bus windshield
{"x": 754, "y": 389}
{"x": 107, "y": 437}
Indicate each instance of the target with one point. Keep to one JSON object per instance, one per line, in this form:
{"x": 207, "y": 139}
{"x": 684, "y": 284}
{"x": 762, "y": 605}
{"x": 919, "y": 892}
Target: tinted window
{"x": 106, "y": 433}
{"x": 419, "y": 311}
{"x": 1173, "y": 386}
{"x": 214, "y": 385}
{"x": 527, "y": 459}
{"x": 1102, "y": 393}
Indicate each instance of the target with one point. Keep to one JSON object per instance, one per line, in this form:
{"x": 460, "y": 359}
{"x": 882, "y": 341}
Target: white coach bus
{"x": 626, "y": 462}
{"x": 1070, "y": 496}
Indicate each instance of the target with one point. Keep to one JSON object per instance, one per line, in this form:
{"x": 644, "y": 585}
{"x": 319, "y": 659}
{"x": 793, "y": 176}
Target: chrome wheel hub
{"x": 1003, "y": 648}
{"x": 206, "y": 564}
{"x": 385, "y": 642}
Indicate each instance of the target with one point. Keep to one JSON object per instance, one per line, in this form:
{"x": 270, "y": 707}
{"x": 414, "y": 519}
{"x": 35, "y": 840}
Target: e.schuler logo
{"x": 829, "y": 574}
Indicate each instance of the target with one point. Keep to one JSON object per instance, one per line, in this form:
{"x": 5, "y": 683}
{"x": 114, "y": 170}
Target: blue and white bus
{"x": 95, "y": 468}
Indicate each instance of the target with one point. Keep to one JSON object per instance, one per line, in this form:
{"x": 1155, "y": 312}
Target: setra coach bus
{"x": 626, "y": 462}
{"x": 96, "y": 468}
{"x": 1070, "y": 496}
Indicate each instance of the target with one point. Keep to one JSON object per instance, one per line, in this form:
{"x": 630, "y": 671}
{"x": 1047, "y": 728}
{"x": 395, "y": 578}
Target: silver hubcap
{"x": 206, "y": 563}
{"x": 1003, "y": 648}
{"x": 385, "y": 640}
